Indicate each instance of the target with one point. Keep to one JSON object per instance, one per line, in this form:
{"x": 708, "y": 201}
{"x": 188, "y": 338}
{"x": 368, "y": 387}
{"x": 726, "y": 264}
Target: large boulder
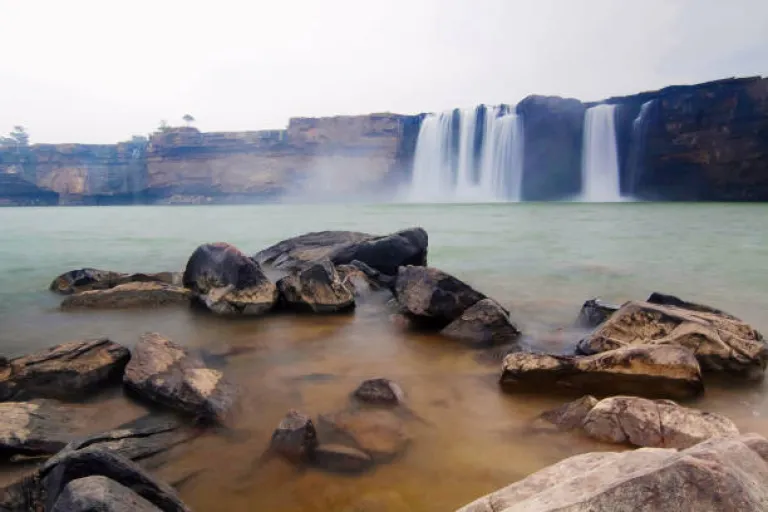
{"x": 33, "y": 428}
{"x": 130, "y": 295}
{"x": 655, "y": 423}
{"x": 718, "y": 475}
{"x": 720, "y": 342}
{"x": 646, "y": 370}
{"x": 228, "y": 282}
{"x": 483, "y": 324}
{"x": 317, "y": 288}
{"x": 379, "y": 433}
{"x": 383, "y": 253}
{"x": 63, "y": 371}
{"x": 432, "y": 296}
{"x": 162, "y": 371}
{"x": 87, "y": 279}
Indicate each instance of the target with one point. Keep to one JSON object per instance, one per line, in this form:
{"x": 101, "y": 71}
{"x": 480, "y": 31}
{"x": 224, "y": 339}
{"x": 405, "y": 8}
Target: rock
{"x": 432, "y": 296}
{"x": 162, "y": 371}
{"x": 482, "y": 324}
{"x": 363, "y": 279}
{"x": 382, "y": 253}
{"x": 720, "y": 342}
{"x": 33, "y": 428}
{"x": 654, "y": 423}
{"x": 63, "y": 371}
{"x": 379, "y": 391}
{"x": 129, "y": 295}
{"x": 571, "y": 415}
{"x": 342, "y": 459}
{"x": 379, "y": 433}
{"x": 295, "y": 437}
{"x": 228, "y": 282}
{"x": 594, "y": 312}
{"x": 644, "y": 370}
{"x": 97, "y": 493}
{"x": 721, "y": 474}
{"x": 317, "y": 288}
{"x": 87, "y": 279}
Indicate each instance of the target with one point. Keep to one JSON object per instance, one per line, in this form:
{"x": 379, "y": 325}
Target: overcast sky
{"x": 103, "y": 70}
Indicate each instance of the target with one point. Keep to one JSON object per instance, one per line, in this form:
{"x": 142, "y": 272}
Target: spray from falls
{"x": 600, "y": 160}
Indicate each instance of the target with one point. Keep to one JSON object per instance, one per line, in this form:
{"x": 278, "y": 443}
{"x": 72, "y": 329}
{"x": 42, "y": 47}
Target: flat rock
{"x": 341, "y": 459}
{"x": 594, "y": 312}
{"x": 228, "y": 282}
{"x": 295, "y": 437}
{"x": 379, "y": 433}
{"x": 483, "y": 324}
{"x": 720, "y": 341}
{"x": 655, "y": 423}
{"x": 129, "y": 295}
{"x": 432, "y": 296}
{"x": 86, "y": 279}
{"x": 63, "y": 371}
{"x": 718, "y": 475}
{"x": 645, "y": 370}
{"x": 569, "y": 416}
{"x": 98, "y": 493}
{"x": 162, "y": 371}
{"x": 379, "y": 391}
{"x": 317, "y": 288}
{"x": 34, "y": 428}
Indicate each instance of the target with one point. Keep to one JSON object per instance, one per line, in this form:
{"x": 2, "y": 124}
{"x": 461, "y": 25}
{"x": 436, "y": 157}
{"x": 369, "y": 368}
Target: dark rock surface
{"x": 32, "y": 428}
{"x": 129, "y": 295}
{"x": 295, "y": 437}
{"x": 594, "y": 312}
{"x": 87, "y": 279}
{"x": 483, "y": 324}
{"x": 318, "y": 288}
{"x": 341, "y": 459}
{"x": 98, "y": 493}
{"x": 379, "y": 391}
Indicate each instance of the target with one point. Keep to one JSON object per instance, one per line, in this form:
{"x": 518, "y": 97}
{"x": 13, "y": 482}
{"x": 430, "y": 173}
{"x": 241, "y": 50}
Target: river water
{"x": 541, "y": 260}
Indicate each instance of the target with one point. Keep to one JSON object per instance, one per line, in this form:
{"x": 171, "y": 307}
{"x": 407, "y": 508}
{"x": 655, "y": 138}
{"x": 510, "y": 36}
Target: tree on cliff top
{"x": 188, "y": 119}
{"x": 18, "y": 138}
{"x": 164, "y": 127}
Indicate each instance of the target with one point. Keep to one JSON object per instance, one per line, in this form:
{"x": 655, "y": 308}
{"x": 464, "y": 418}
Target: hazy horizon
{"x": 96, "y": 72}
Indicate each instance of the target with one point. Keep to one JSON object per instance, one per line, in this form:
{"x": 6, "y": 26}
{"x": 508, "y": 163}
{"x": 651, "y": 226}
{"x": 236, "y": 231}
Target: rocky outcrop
{"x": 16, "y": 190}
{"x": 33, "y": 428}
{"x": 721, "y": 474}
{"x": 720, "y": 341}
{"x": 228, "y": 282}
{"x": 65, "y": 371}
{"x": 129, "y": 295}
{"x": 88, "y": 279}
{"x": 663, "y": 371}
{"x": 163, "y": 372}
{"x": 483, "y": 324}
{"x": 317, "y": 288}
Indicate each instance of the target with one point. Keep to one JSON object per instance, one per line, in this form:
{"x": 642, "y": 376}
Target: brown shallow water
{"x": 468, "y": 438}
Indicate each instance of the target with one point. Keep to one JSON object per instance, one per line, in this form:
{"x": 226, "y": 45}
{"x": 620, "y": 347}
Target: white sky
{"x": 103, "y": 70}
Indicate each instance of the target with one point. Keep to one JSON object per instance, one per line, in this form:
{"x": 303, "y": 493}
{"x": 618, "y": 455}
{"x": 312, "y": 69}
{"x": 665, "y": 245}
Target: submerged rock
{"x": 341, "y": 459}
{"x": 379, "y": 391}
{"x": 721, "y": 474}
{"x": 63, "y": 371}
{"x": 129, "y": 295}
{"x": 655, "y": 423}
{"x": 228, "y": 282}
{"x": 379, "y": 433}
{"x": 87, "y": 279}
{"x": 33, "y": 428}
{"x": 295, "y": 437}
{"x": 644, "y": 370}
{"x": 720, "y": 341}
{"x": 482, "y": 324}
{"x": 594, "y": 312}
{"x": 317, "y": 288}
{"x": 98, "y": 493}
{"x": 569, "y": 416}
{"x": 162, "y": 371}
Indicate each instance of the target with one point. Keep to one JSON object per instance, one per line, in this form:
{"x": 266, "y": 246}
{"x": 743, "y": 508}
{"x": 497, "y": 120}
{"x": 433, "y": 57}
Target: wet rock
{"x": 129, "y": 295}
{"x": 162, "y": 371}
{"x": 720, "y": 342}
{"x": 295, "y": 437}
{"x": 228, "y": 282}
{"x": 433, "y": 297}
{"x": 86, "y": 279}
{"x": 569, "y": 416}
{"x": 379, "y": 433}
{"x": 644, "y": 370}
{"x": 317, "y": 288}
{"x": 379, "y": 391}
{"x": 97, "y": 493}
{"x": 363, "y": 279}
{"x": 33, "y": 428}
{"x": 382, "y": 253}
{"x": 63, "y": 371}
{"x": 721, "y": 474}
{"x": 482, "y": 324}
{"x": 341, "y": 459}
{"x": 655, "y": 423}
{"x": 594, "y": 312}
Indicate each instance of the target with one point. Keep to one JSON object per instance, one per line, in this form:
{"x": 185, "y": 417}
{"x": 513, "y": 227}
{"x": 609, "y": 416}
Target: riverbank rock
{"x": 720, "y": 342}
{"x": 338, "y": 458}
{"x": 363, "y": 279}
{"x": 63, "y": 371}
{"x": 483, "y": 324}
{"x": 569, "y": 416}
{"x": 718, "y": 475}
{"x": 295, "y": 437}
{"x": 33, "y": 428}
{"x": 379, "y": 433}
{"x": 129, "y": 295}
{"x": 655, "y": 423}
{"x": 87, "y": 279}
{"x": 644, "y": 370}
{"x": 228, "y": 282}
{"x": 380, "y": 392}
{"x": 162, "y": 371}
{"x": 99, "y": 493}
{"x": 433, "y": 297}
{"x": 594, "y": 312}
{"x": 382, "y": 253}
{"x": 317, "y": 288}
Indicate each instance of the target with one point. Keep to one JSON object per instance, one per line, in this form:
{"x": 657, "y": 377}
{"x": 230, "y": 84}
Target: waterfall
{"x": 432, "y": 179}
{"x": 637, "y": 148}
{"x": 600, "y": 163}
{"x": 466, "y": 187}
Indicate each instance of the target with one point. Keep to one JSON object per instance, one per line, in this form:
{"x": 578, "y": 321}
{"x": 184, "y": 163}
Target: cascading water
{"x": 502, "y": 165}
{"x": 600, "y": 163}
{"x": 432, "y": 179}
{"x": 637, "y": 147}
{"x": 466, "y": 187}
